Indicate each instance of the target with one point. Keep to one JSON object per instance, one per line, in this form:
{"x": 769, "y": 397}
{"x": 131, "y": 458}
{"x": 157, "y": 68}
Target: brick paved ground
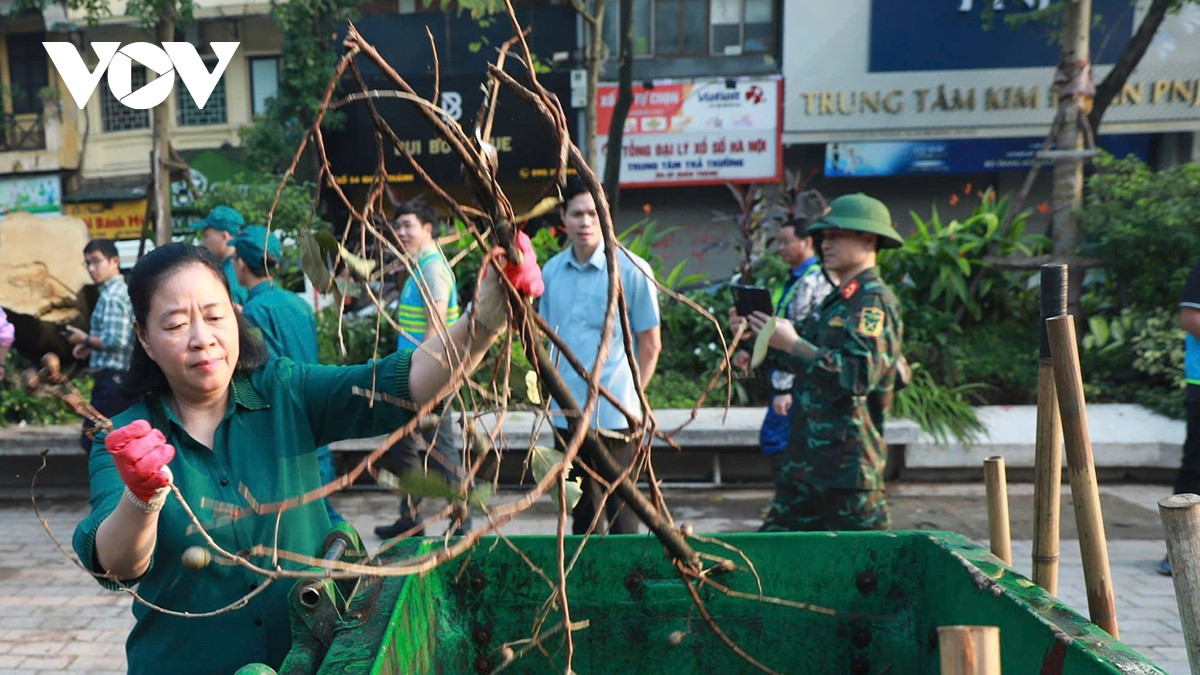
{"x": 55, "y": 618}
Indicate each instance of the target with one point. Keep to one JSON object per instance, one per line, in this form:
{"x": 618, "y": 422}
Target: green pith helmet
{"x": 863, "y": 214}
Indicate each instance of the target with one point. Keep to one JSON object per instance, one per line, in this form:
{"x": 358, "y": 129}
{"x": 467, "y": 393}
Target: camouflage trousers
{"x": 803, "y": 507}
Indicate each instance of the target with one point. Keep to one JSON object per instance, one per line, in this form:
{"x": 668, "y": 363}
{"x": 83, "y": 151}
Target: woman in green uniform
{"x": 224, "y": 424}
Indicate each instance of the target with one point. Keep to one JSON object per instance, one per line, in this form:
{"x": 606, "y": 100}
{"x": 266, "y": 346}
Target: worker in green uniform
{"x": 845, "y": 358}
{"x": 286, "y": 324}
{"x": 217, "y": 231}
{"x": 228, "y": 428}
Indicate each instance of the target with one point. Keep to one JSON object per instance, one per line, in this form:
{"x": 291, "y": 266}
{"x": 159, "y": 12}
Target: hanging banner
{"x": 882, "y": 70}
{"x": 900, "y": 158}
{"x": 40, "y": 194}
{"x": 702, "y": 132}
{"x": 115, "y": 220}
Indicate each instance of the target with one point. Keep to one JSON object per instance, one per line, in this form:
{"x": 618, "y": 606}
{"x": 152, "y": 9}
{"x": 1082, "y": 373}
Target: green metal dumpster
{"x": 888, "y": 592}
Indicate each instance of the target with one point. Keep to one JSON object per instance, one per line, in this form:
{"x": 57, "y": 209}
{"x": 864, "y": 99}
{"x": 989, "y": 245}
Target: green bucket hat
{"x": 223, "y": 218}
{"x": 860, "y": 213}
{"x": 251, "y": 245}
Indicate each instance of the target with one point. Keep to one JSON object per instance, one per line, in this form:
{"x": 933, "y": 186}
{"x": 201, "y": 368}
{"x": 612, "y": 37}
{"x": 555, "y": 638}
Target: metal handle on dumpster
{"x": 310, "y": 593}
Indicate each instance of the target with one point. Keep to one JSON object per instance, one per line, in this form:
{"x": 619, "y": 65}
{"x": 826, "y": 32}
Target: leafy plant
{"x": 947, "y": 281}
{"x": 942, "y": 412}
{"x": 310, "y": 54}
{"x": 1136, "y": 357}
{"x": 1142, "y": 224}
{"x": 358, "y": 334}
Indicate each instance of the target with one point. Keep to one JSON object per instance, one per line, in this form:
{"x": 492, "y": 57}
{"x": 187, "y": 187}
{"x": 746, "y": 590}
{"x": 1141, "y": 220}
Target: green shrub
{"x": 1137, "y": 357}
{"x": 1002, "y": 357}
{"x": 358, "y": 335}
{"x": 1143, "y": 225}
{"x": 943, "y": 412}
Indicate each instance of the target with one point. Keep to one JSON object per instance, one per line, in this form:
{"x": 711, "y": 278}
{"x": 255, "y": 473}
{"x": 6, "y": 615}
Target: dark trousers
{"x": 107, "y": 399}
{"x": 618, "y": 518}
{"x": 1188, "y": 477}
{"x": 413, "y": 454}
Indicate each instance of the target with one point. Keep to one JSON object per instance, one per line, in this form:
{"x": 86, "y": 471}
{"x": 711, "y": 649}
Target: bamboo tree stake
{"x": 1085, "y": 493}
{"x": 969, "y": 650}
{"x": 1181, "y": 524}
{"x": 996, "y": 484}
{"x": 1047, "y": 477}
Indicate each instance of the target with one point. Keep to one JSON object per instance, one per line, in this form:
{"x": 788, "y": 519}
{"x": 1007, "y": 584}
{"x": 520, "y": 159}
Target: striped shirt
{"x": 112, "y": 322}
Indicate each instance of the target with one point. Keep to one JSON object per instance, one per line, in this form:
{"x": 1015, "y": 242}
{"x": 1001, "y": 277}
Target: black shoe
{"x": 397, "y": 528}
{"x": 1164, "y": 567}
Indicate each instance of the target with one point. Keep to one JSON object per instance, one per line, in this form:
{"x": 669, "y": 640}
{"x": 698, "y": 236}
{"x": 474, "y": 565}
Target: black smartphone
{"x": 751, "y": 299}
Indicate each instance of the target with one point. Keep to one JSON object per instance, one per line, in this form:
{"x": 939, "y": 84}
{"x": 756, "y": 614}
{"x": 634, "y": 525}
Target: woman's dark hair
{"x": 146, "y": 278}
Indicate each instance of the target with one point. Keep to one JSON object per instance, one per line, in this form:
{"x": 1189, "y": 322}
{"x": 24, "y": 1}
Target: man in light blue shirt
{"x": 574, "y": 306}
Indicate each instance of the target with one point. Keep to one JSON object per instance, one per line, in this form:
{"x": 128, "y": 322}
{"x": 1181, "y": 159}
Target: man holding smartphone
{"x": 108, "y": 345}
{"x": 845, "y": 358}
{"x": 806, "y": 287}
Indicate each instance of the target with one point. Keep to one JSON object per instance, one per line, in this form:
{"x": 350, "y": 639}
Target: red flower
{"x": 646, "y": 208}
{"x": 953, "y": 200}
{"x": 1043, "y": 208}
{"x": 967, "y": 189}
{"x": 989, "y": 197}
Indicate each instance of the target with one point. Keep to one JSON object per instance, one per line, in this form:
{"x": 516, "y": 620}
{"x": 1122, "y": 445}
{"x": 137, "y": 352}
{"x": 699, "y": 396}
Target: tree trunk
{"x": 616, "y": 130}
{"x": 595, "y": 60}
{"x": 1108, "y": 90}
{"x": 161, "y": 120}
{"x": 1074, "y": 72}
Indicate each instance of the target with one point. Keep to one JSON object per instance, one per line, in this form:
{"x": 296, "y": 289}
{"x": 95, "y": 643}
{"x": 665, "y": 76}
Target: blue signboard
{"x": 954, "y": 157}
{"x": 909, "y": 35}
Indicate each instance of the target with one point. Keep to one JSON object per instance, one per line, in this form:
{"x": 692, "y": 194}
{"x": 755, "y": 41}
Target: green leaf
{"x": 542, "y": 461}
{"x": 762, "y": 343}
{"x": 312, "y": 261}
{"x": 327, "y": 241}
{"x": 357, "y": 264}
{"x": 422, "y": 484}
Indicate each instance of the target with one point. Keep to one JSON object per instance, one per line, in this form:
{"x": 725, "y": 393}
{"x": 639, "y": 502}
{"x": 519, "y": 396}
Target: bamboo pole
{"x": 969, "y": 650}
{"x": 1047, "y": 475}
{"x": 1181, "y": 523}
{"x": 1085, "y": 493}
{"x": 996, "y": 485}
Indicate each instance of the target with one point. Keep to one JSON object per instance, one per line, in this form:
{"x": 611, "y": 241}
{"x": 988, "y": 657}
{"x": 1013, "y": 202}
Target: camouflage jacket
{"x": 846, "y": 390}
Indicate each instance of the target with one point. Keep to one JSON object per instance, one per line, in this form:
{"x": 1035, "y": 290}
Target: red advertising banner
{"x": 702, "y": 132}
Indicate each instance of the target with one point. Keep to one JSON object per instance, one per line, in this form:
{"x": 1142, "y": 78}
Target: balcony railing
{"x": 22, "y": 132}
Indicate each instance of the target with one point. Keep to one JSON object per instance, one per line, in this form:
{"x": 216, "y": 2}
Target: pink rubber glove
{"x": 526, "y": 277}
{"x": 141, "y": 454}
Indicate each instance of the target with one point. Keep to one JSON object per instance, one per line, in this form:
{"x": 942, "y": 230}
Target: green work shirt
{"x": 844, "y": 393}
{"x": 236, "y": 290}
{"x": 277, "y": 416}
{"x": 288, "y": 325}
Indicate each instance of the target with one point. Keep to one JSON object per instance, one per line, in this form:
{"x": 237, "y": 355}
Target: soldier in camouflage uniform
{"x": 845, "y": 359}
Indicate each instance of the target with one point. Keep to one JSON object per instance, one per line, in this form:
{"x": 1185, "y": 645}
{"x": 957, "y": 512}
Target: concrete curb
{"x": 1122, "y": 435}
